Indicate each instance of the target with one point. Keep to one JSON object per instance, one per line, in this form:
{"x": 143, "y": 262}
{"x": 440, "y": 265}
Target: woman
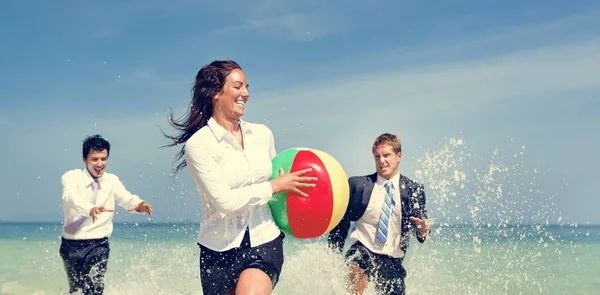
{"x": 241, "y": 247}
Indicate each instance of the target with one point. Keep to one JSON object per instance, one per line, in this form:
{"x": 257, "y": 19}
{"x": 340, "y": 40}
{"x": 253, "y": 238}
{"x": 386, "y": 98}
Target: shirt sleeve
{"x": 209, "y": 175}
{"x": 71, "y": 195}
{"x": 123, "y": 197}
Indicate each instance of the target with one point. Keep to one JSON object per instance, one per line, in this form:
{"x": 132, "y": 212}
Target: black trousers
{"x": 85, "y": 262}
{"x": 219, "y": 271}
{"x": 387, "y": 272}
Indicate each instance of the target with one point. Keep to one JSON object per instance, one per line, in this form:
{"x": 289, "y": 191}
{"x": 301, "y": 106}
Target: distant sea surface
{"x": 162, "y": 258}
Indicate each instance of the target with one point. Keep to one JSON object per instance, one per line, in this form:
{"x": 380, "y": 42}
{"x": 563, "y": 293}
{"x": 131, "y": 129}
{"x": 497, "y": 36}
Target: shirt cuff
{"x": 264, "y": 191}
{"x": 135, "y": 202}
{"x": 87, "y": 208}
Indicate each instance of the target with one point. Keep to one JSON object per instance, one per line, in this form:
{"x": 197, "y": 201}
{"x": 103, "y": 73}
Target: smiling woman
{"x": 241, "y": 247}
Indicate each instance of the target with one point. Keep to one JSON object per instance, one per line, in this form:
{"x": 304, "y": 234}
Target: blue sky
{"x": 332, "y": 76}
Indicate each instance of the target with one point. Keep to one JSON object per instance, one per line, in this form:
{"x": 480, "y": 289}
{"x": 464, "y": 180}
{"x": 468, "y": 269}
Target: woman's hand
{"x": 293, "y": 182}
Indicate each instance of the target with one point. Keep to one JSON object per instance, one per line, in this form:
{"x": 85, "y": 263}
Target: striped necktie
{"x": 74, "y": 227}
{"x": 386, "y": 210}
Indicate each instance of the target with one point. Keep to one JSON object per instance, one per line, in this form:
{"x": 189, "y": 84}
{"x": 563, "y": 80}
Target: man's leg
{"x": 360, "y": 263}
{"x": 393, "y": 286}
{"x": 74, "y": 277}
{"x": 390, "y": 276}
{"x": 95, "y": 266}
{"x": 358, "y": 280}
{"x": 68, "y": 253}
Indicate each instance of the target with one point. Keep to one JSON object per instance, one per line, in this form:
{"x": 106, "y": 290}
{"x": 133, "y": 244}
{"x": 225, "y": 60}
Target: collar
{"x": 88, "y": 177}
{"x": 220, "y": 132}
{"x": 395, "y": 180}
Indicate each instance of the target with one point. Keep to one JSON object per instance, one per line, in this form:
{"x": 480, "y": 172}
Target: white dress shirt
{"x": 233, "y": 184}
{"x": 78, "y": 195}
{"x": 365, "y": 228}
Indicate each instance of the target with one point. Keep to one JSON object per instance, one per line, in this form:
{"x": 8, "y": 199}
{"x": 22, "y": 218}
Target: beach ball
{"x": 326, "y": 203}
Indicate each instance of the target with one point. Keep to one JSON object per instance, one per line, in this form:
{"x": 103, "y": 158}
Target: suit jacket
{"x": 361, "y": 187}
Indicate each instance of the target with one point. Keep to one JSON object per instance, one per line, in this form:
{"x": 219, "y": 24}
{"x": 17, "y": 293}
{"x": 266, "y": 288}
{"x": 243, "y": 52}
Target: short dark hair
{"x": 97, "y": 143}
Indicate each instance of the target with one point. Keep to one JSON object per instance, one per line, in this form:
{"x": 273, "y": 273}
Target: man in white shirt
{"x": 386, "y": 207}
{"x": 89, "y": 196}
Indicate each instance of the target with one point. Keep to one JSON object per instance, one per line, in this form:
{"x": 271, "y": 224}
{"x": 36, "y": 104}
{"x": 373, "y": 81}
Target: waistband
{"x": 84, "y": 241}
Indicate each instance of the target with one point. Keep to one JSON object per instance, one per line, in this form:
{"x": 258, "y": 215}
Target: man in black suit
{"x": 386, "y": 207}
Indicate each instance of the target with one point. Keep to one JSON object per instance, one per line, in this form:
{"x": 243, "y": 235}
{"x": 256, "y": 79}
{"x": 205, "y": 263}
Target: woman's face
{"x": 232, "y": 99}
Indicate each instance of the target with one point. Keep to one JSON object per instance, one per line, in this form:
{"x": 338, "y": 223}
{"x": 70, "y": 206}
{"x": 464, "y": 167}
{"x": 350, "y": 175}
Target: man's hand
{"x": 422, "y": 225}
{"x": 142, "y": 207}
{"x": 97, "y": 210}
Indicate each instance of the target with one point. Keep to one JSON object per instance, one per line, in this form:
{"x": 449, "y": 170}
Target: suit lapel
{"x": 368, "y": 189}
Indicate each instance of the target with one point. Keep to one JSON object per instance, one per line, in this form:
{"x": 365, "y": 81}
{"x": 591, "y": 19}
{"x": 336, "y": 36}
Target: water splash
{"x": 490, "y": 219}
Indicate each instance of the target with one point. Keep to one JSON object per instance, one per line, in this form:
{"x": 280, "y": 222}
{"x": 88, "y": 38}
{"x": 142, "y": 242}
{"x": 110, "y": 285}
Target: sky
{"x": 517, "y": 79}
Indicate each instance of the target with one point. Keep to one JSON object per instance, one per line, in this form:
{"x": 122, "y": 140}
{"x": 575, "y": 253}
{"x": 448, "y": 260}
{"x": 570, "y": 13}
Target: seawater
{"x": 162, "y": 258}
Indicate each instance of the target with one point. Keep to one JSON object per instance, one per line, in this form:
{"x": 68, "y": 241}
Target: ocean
{"x": 162, "y": 258}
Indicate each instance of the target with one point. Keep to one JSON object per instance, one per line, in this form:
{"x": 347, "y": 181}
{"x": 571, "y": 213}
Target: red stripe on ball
{"x": 310, "y": 217}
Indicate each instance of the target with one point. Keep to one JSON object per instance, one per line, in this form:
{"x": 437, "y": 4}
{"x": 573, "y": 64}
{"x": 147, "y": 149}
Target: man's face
{"x": 386, "y": 160}
{"x": 95, "y": 162}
